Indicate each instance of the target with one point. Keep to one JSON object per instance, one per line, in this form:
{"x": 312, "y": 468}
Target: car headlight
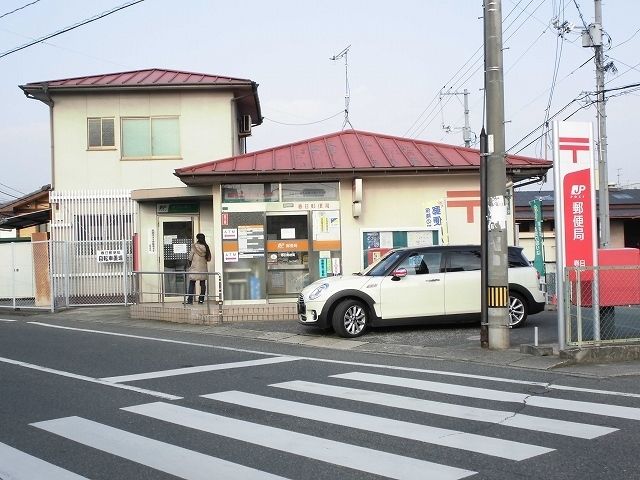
{"x": 316, "y": 292}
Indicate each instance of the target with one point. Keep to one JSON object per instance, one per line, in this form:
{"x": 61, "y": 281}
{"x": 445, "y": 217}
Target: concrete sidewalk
{"x": 459, "y": 343}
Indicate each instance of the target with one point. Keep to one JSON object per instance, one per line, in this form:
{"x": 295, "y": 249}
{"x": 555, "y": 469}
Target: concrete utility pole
{"x": 603, "y": 174}
{"x": 497, "y": 291}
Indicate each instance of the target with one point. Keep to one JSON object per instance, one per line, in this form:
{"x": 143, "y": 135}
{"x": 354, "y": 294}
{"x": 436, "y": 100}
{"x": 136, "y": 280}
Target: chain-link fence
{"x": 602, "y": 304}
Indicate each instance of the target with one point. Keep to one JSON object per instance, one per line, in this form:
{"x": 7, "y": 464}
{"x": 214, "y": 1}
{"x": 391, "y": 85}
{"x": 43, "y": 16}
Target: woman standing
{"x": 198, "y": 257}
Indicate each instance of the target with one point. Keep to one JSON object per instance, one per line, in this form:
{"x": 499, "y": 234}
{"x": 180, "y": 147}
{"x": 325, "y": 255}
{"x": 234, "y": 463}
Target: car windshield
{"x": 381, "y": 266}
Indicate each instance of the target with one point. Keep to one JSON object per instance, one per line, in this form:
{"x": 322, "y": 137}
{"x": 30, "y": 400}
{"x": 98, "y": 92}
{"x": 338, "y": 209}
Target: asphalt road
{"x": 112, "y": 402}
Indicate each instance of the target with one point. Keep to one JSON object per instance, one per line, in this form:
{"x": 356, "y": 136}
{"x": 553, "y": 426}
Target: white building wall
{"x": 207, "y": 132}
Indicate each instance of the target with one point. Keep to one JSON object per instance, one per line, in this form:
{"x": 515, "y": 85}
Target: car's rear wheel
{"x": 518, "y": 310}
{"x": 350, "y": 318}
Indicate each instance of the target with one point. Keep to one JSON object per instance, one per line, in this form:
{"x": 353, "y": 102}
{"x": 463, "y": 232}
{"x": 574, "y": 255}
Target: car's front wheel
{"x": 518, "y": 310}
{"x": 350, "y": 318}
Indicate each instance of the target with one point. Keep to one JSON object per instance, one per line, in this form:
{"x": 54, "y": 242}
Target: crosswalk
{"x": 333, "y": 422}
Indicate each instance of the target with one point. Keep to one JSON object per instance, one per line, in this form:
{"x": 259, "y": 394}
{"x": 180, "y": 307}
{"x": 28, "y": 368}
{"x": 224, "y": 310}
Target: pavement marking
{"x": 171, "y": 459}
{"x": 593, "y": 408}
{"x": 359, "y": 364}
{"x": 17, "y": 465}
{"x": 88, "y": 379}
{"x": 202, "y": 368}
{"x": 7, "y": 320}
{"x": 338, "y": 453}
{"x": 495, "y": 447}
{"x": 505, "y": 418}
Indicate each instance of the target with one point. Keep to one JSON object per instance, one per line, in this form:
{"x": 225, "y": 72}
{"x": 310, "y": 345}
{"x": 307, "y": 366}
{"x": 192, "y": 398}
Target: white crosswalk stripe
{"x": 17, "y": 465}
{"x": 158, "y": 455}
{"x": 593, "y": 408}
{"x": 338, "y": 453}
{"x": 504, "y": 418}
{"x": 439, "y": 436}
{"x": 302, "y": 441}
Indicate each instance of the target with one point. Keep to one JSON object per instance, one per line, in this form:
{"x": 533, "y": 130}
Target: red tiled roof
{"x": 246, "y": 91}
{"x": 141, "y": 78}
{"x": 354, "y": 150}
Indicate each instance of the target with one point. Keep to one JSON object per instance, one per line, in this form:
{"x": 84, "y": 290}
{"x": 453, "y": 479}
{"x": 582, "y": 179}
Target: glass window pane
{"x": 165, "y": 137}
{"x": 94, "y": 132}
{"x": 108, "y": 136}
{"x": 136, "y": 141}
{"x": 309, "y": 191}
{"x": 250, "y": 192}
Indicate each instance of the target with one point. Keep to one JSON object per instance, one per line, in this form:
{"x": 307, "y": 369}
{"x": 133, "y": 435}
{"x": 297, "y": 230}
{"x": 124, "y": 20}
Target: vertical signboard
{"x": 575, "y": 204}
{"x": 538, "y": 261}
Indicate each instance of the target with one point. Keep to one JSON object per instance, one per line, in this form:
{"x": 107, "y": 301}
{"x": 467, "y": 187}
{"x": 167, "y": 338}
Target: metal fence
{"x": 51, "y": 275}
{"x": 25, "y": 275}
{"x": 602, "y": 304}
{"x": 172, "y": 288}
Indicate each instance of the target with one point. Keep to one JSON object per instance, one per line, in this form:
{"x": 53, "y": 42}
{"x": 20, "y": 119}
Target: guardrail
{"x": 171, "y": 287}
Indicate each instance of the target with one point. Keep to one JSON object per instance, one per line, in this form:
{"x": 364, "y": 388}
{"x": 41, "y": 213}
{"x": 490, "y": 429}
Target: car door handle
{"x": 432, "y": 280}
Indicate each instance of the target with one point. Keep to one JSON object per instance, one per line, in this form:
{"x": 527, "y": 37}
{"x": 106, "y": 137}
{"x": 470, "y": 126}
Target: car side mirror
{"x": 398, "y": 273}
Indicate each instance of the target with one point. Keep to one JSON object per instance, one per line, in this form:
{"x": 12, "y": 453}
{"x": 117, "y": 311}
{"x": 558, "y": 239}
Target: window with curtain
{"x": 150, "y": 137}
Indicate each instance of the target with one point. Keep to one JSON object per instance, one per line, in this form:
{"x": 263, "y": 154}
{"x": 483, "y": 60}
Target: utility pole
{"x": 592, "y": 38}
{"x": 466, "y": 130}
{"x": 497, "y": 292}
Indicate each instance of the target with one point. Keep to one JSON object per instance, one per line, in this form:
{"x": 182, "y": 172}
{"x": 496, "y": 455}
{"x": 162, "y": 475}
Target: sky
{"x": 407, "y": 59}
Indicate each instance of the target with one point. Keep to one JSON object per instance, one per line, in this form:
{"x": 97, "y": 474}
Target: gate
{"x": 92, "y": 273}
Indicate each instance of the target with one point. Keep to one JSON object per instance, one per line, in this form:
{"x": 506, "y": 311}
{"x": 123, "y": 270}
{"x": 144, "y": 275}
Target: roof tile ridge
{"x": 417, "y": 146}
{"x": 333, "y": 163}
{"x": 375, "y": 137}
{"x": 395, "y": 142}
{"x": 355, "y": 132}
{"x": 313, "y": 165}
{"x": 151, "y": 72}
{"x": 346, "y": 150}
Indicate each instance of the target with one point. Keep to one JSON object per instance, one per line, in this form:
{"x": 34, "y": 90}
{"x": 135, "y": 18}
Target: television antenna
{"x": 347, "y": 92}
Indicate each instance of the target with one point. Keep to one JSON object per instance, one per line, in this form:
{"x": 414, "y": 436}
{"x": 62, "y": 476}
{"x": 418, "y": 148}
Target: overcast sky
{"x": 402, "y": 55}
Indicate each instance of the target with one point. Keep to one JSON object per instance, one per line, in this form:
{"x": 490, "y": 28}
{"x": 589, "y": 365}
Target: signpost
{"x": 575, "y": 208}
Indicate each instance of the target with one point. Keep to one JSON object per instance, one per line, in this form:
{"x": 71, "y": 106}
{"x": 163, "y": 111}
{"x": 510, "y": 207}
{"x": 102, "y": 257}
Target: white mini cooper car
{"x": 439, "y": 284}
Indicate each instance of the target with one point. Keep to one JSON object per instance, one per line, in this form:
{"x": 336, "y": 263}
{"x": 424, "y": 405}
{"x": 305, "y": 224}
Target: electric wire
{"x": 11, "y": 188}
{"x": 17, "y": 9}
{"x": 71, "y": 27}
{"x": 341, "y": 112}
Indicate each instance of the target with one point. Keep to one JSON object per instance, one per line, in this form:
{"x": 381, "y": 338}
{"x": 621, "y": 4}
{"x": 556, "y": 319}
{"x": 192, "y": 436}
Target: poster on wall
{"x": 250, "y": 241}
{"x": 326, "y": 225}
{"x": 230, "y": 257}
{"x": 419, "y": 239}
{"x": 151, "y": 241}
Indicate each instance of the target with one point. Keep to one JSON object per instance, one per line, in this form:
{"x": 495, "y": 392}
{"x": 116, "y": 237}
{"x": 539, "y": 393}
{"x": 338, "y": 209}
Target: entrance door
{"x": 176, "y": 235}
{"x": 287, "y": 254}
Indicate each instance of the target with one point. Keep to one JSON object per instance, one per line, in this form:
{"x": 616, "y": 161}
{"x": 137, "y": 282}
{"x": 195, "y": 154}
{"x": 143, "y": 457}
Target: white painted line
{"x": 88, "y": 379}
{"x": 6, "y": 320}
{"x": 358, "y": 364}
{"x": 495, "y": 447}
{"x": 504, "y": 418}
{"x": 158, "y": 455}
{"x": 17, "y": 465}
{"x": 593, "y": 408}
{"x": 337, "y": 453}
{"x": 202, "y": 368}
{"x": 155, "y": 339}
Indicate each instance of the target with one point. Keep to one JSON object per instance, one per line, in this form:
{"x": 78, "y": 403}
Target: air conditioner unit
{"x": 244, "y": 127}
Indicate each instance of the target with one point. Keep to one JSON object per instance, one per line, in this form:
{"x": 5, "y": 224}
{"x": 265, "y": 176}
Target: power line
{"x": 8, "y": 194}
{"x": 11, "y": 188}
{"x": 309, "y": 123}
{"x": 72, "y": 27}
{"x": 19, "y": 8}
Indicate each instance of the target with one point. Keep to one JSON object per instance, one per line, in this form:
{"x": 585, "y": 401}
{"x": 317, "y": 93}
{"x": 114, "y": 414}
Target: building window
{"x": 250, "y": 192}
{"x": 292, "y": 192}
{"x": 100, "y": 133}
{"x": 150, "y": 137}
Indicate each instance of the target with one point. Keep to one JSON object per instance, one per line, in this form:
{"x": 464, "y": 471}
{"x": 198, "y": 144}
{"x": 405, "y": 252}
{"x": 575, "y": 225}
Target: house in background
{"x": 113, "y": 133}
{"x": 27, "y": 214}
{"x": 624, "y": 214}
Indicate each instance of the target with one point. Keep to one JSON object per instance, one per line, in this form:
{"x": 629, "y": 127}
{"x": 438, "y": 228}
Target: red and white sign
{"x": 574, "y": 183}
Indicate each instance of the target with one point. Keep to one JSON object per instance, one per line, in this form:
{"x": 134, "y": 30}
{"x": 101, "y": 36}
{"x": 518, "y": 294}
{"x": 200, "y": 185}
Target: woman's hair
{"x": 200, "y": 239}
